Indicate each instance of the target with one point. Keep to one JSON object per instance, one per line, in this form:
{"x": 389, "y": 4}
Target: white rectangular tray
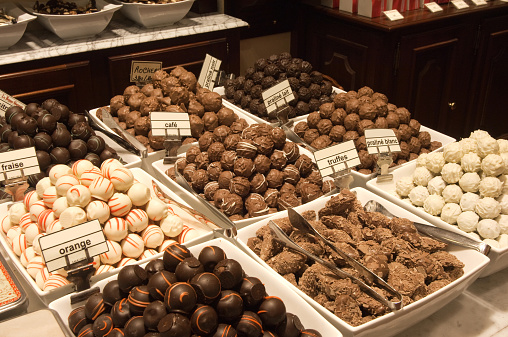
{"x": 294, "y": 304}
{"x": 498, "y": 257}
{"x": 143, "y": 178}
{"x": 394, "y": 322}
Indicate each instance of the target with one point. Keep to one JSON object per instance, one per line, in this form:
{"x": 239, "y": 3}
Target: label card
{"x": 393, "y": 15}
{"x": 460, "y": 4}
{"x": 142, "y": 71}
{"x": 170, "y": 123}
{"x": 381, "y": 141}
{"x": 340, "y": 157}
{"x": 277, "y": 96}
{"x": 208, "y": 74}
{"x": 479, "y": 2}
{"x": 12, "y": 162}
{"x": 6, "y": 101}
{"x": 433, "y": 7}
{"x": 72, "y": 242}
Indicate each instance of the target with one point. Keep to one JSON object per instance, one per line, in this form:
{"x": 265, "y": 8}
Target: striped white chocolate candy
{"x": 101, "y": 188}
{"x": 41, "y": 186}
{"x": 60, "y": 205}
{"x": 49, "y": 196}
{"x": 148, "y": 253}
{"x": 55, "y": 281}
{"x": 120, "y": 204}
{"x": 132, "y": 246}
{"x": 45, "y": 218}
{"x": 104, "y": 268}
{"x": 156, "y": 209}
{"x": 113, "y": 255}
{"x": 81, "y": 166}
{"x": 139, "y": 194}
{"x": 188, "y": 234}
{"x": 36, "y": 245}
{"x": 16, "y": 211}
{"x": 78, "y": 195}
{"x": 57, "y": 171}
{"x": 165, "y": 244}
{"x": 41, "y": 277}
{"x": 26, "y": 256}
{"x": 152, "y": 236}
{"x": 6, "y": 223}
{"x": 30, "y": 198}
{"x": 122, "y": 179}
{"x": 171, "y": 225}
{"x": 64, "y": 183}
{"x": 12, "y": 233}
{"x": 19, "y": 244}
{"x": 109, "y": 166}
{"x": 99, "y": 210}
{"x": 55, "y": 226}
{"x": 25, "y": 221}
{"x": 36, "y": 209}
{"x": 125, "y": 261}
{"x": 136, "y": 220}
{"x": 89, "y": 176}
{"x": 72, "y": 216}
{"x": 35, "y": 265}
{"x": 31, "y": 232}
{"x": 115, "y": 229}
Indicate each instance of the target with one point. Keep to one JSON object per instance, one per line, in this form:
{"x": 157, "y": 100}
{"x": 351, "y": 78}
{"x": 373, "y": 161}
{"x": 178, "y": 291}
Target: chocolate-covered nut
{"x": 204, "y": 320}
{"x": 139, "y": 298}
{"x": 77, "y": 149}
{"x": 173, "y": 255}
{"x": 210, "y": 256}
{"x": 250, "y": 325}
{"x": 159, "y": 282}
{"x": 131, "y": 276}
{"x": 95, "y": 144}
{"x": 174, "y": 324}
{"x": 60, "y": 155}
{"x": 252, "y": 291}
{"x": 229, "y": 272}
{"x": 180, "y": 298}
{"x": 47, "y": 123}
{"x": 153, "y": 313}
{"x": 272, "y": 311}
{"x": 188, "y": 268}
{"x": 207, "y": 286}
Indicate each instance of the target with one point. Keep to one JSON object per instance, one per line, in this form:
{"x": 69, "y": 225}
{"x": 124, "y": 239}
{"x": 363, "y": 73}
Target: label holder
{"x": 384, "y": 160}
{"x": 15, "y": 187}
{"x": 342, "y": 178}
{"x": 171, "y": 144}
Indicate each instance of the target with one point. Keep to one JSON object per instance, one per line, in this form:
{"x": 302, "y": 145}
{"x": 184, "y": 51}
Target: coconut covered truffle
{"x": 433, "y": 204}
{"x": 422, "y": 176}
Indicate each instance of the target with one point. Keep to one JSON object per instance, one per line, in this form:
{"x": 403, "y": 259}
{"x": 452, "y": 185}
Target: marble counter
{"x": 38, "y": 43}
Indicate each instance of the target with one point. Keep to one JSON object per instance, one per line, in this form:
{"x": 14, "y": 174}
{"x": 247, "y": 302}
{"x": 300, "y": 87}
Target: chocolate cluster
{"x": 60, "y": 7}
{"x": 414, "y": 265}
{"x": 183, "y": 295}
{"x": 351, "y": 113}
{"x": 176, "y": 91}
{"x": 309, "y": 87}
{"x": 58, "y": 135}
{"x": 249, "y": 171}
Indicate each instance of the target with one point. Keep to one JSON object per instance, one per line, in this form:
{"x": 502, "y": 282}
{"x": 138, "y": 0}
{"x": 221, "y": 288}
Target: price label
{"x": 381, "y": 141}
{"x": 68, "y": 246}
{"x": 170, "y": 123}
{"x": 142, "y": 71}
{"x": 12, "y": 162}
{"x": 479, "y": 2}
{"x": 209, "y": 71}
{"x": 460, "y": 4}
{"x": 393, "y": 15}
{"x": 277, "y": 96}
{"x": 433, "y": 7}
{"x": 6, "y": 101}
{"x": 337, "y": 158}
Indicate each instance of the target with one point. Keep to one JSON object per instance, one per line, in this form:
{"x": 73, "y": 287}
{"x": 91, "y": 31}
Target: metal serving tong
{"x": 301, "y": 224}
{"x": 433, "y": 231}
{"x": 285, "y": 124}
{"x": 228, "y": 227}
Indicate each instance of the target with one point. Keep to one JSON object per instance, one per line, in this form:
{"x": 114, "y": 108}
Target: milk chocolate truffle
{"x": 244, "y": 167}
{"x": 246, "y": 148}
{"x": 80, "y": 131}
{"x": 250, "y": 325}
{"x": 291, "y": 151}
{"x": 220, "y": 133}
{"x": 214, "y": 170}
{"x": 414, "y": 145}
{"x": 404, "y": 115}
{"x": 60, "y": 155}
{"x": 258, "y": 183}
{"x": 381, "y": 123}
{"x": 415, "y": 127}
{"x": 324, "y": 126}
{"x": 300, "y": 128}
{"x": 210, "y": 189}
{"x": 278, "y": 159}
{"x": 205, "y": 140}
{"x": 363, "y": 125}
{"x": 321, "y": 142}
{"x": 256, "y": 205}
{"x": 95, "y": 144}
{"x": 211, "y": 101}
{"x": 197, "y": 125}
{"x": 311, "y": 135}
{"x": 131, "y": 276}
{"x": 226, "y": 116}
{"x": 313, "y": 119}
{"x": 227, "y": 160}
{"x": 231, "y": 141}
{"x": 230, "y": 306}
{"x": 287, "y": 200}
{"x": 174, "y": 324}
{"x": 264, "y": 145}
{"x": 224, "y": 179}
{"x": 142, "y": 126}
{"x": 232, "y": 204}
{"x": 192, "y": 153}
{"x": 252, "y": 291}
{"x": 291, "y": 174}
{"x": 405, "y": 132}
{"x": 271, "y": 197}
{"x": 337, "y": 133}
{"x": 218, "y": 197}
{"x": 310, "y": 192}
{"x": 350, "y": 135}
{"x": 239, "y": 185}
{"x": 275, "y": 178}
{"x": 215, "y": 151}
{"x": 351, "y": 121}
{"x": 424, "y": 138}
{"x": 207, "y": 287}
{"x": 131, "y": 118}
{"x": 77, "y": 149}
{"x": 199, "y": 179}
{"x": 202, "y": 161}
{"x": 304, "y": 164}
{"x": 180, "y": 297}
{"x": 238, "y": 126}
{"x": 393, "y": 120}
{"x": 287, "y": 188}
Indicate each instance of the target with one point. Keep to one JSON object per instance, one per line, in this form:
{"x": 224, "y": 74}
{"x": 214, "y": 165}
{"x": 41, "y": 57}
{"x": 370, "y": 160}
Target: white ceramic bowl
{"x": 498, "y": 257}
{"x": 394, "y": 322}
{"x": 142, "y": 177}
{"x": 70, "y": 27}
{"x": 155, "y": 15}
{"x": 294, "y": 304}
{"x": 12, "y": 33}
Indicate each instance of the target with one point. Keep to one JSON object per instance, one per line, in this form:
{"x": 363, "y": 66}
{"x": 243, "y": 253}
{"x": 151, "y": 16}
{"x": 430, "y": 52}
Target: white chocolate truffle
{"x": 139, "y": 194}
{"x": 104, "y": 268}
{"x": 504, "y": 156}
{"x": 30, "y": 198}
{"x": 45, "y": 219}
{"x": 101, "y": 188}
{"x": 471, "y": 162}
{"x": 188, "y": 234}
{"x": 171, "y": 225}
{"x": 418, "y": 195}
{"x": 436, "y": 185}
{"x": 115, "y": 229}
{"x": 486, "y": 146}
{"x": 6, "y": 223}
{"x": 422, "y": 159}
{"x": 120, "y": 204}
{"x": 132, "y": 246}
{"x": 165, "y": 244}
{"x": 479, "y": 134}
{"x": 25, "y": 221}
{"x": 35, "y": 265}
{"x": 493, "y": 165}
{"x": 27, "y": 255}
{"x": 450, "y": 213}
{"x": 41, "y": 186}
{"x": 451, "y": 173}
{"x": 12, "y": 233}
{"x": 49, "y": 197}
{"x": 503, "y": 201}
{"x": 422, "y": 176}
{"x": 60, "y": 205}
{"x": 504, "y": 180}
{"x": 491, "y": 243}
{"x": 16, "y": 211}
{"x": 452, "y": 193}
{"x": 54, "y": 281}
{"x": 113, "y": 255}
{"x": 89, "y": 176}
{"x": 502, "y": 241}
{"x": 488, "y": 229}
{"x": 55, "y": 226}
{"x": 503, "y": 145}
{"x": 81, "y": 166}
{"x": 64, "y": 183}
{"x": 99, "y": 210}
{"x": 490, "y": 187}
{"x": 470, "y": 182}
{"x": 36, "y": 245}
{"x": 148, "y": 253}
{"x": 57, "y": 171}
{"x": 136, "y": 220}
{"x": 468, "y": 145}
{"x": 434, "y": 204}
{"x": 468, "y": 221}
{"x": 488, "y": 208}
{"x": 122, "y": 179}
{"x": 452, "y": 152}
{"x": 36, "y": 209}
{"x": 41, "y": 277}
{"x": 110, "y": 165}
{"x": 152, "y": 236}
{"x": 403, "y": 186}
{"x": 31, "y": 232}
{"x": 72, "y": 216}
{"x": 435, "y": 162}
{"x": 19, "y": 244}
{"x": 125, "y": 262}
{"x": 156, "y": 209}
{"x": 78, "y": 195}
{"x": 502, "y": 220}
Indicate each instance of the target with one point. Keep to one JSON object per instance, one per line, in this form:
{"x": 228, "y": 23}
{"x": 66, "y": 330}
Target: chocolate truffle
{"x": 272, "y": 311}
{"x": 215, "y": 151}
{"x": 239, "y": 185}
{"x": 192, "y": 153}
{"x": 226, "y": 116}
{"x": 139, "y": 298}
{"x": 112, "y": 293}
{"x": 310, "y": 192}
{"x": 95, "y": 159}
{"x": 27, "y": 126}
{"x": 60, "y": 155}
{"x": 393, "y": 120}
{"x": 204, "y": 320}
{"x": 287, "y": 188}
{"x": 300, "y": 128}
{"x": 220, "y": 133}
{"x": 131, "y": 276}
{"x": 205, "y": 140}
{"x": 188, "y": 268}
{"x": 424, "y": 138}
{"x": 321, "y": 142}
{"x": 210, "y": 256}
{"x": 262, "y": 164}
{"x": 207, "y": 287}
{"x": 250, "y": 325}
{"x": 225, "y": 330}
{"x": 381, "y": 123}
{"x": 202, "y": 161}
{"x": 77, "y": 149}
{"x": 197, "y": 125}
{"x": 290, "y": 327}
{"x": 304, "y": 164}
{"x": 218, "y": 197}
{"x": 291, "y": 174}
{"x": 95, "y": 144}
{"x": 77, "y": 319}
{"x": 142, "y": 126}
{"x": 350, "y": 135}
{"x": 174, "y": 324}
{"x": 291, "y": 151}
{"x": 107, "y": 154}
{"x": 258, "y": 183}
{"x": 311, "y": 135}
{"x": 210, "y": 121}
{"x": 271, "y": 197}
{"x": 159, "y": 282}
{"x": 60, "y": 111}
{"x": 173, "y": 255}
{"x": 153, "y": 313}
{"x": 278, "y": 159}
{"x": 247, "y": 148}
{"x": 278, "y": 137}
{"x": 244, "y": 167}
{"x": 199, "y": 179}
{"x": 120, "y": 312}
{"x": 313, "y": 119}
{"x": 229, "y": 272}
{"x": 180, "y": 298}
{"x": 103, "y": 325}
{"x": 214, "y": 170}
{"x": 227, "y": 160}
{"x": 95, "y": 306}
{"x": 252, "y": 291}
{"x": 61, "y": 136}
{"x": 80, "y": 130}
{"x": 275, "y": 178}
{"x": 264, "y": 145}
{"x": 256, "y": 205}
{"x": 230, "y": 306}
{"x": 287, "y": 200}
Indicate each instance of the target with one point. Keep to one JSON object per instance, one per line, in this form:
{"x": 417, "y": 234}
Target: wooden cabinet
{"x": 449, "y": 69}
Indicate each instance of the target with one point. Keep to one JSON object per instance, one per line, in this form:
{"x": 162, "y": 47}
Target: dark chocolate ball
{"x": 225, "y": 330}
{"x": 49, "y": 103}
{"x": 230, "y": 306}
{"x": 131, "y": 276}
{"x": 27, "y": 126}
{"x": 103, "y": 325}
{"x": 120, "y": 312}
{"x": 153, "y": 313}
{"x": 310, "y": 333}
{"x": 112, "y": 293}
{"x": 95, "y": 306}
{"x": 207, "y": 287}
{"x": 272, "y": 311}
{"x": 117, "y": 332}
{"x": 95, "y": 144}
{"x": 174, "y": 324}
{"x": 81, "y": 130}
{"x": 5, "y": 131}
{"x": 77, "y": 319}
{"x": 160, "y": 282}
{"x": 61, "y": 136}
{"x": 47, "y": 123}
{"x": 229, "y": 272}
{"x": 12, "y": 136}
{"x": 30, "y": 108}
{"x": 249, "y": 325}
{"x": 95, "y": 159}
{"x": 12, "y": 111}
{"x": 188, "y": 268}
{"x": 86, "y": 331}
{"x": 139, "y": 298}
{"x": 154, "y": 266}
{"x": 15, "y": 118}
{"x": 180, "y": 297}
{"x": 60, "y": 155}
{"x": 74, "y": 119}
{"x": 44, "y": 159}
{"x": 108, "y": 153}
{"x": 77, "y": 149}
{"x": 23, "y": 141}
{"x": 290, "y": 327}
{"x": 210, "y": 256}
{"x": 252, "y": 291}
{"x": 204, "y": 320}
{"x": 173, "y": 255}
{"x": 135, "y": 327}
{"x": 43, "y": 141}
{"x": 60, "y": 111}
